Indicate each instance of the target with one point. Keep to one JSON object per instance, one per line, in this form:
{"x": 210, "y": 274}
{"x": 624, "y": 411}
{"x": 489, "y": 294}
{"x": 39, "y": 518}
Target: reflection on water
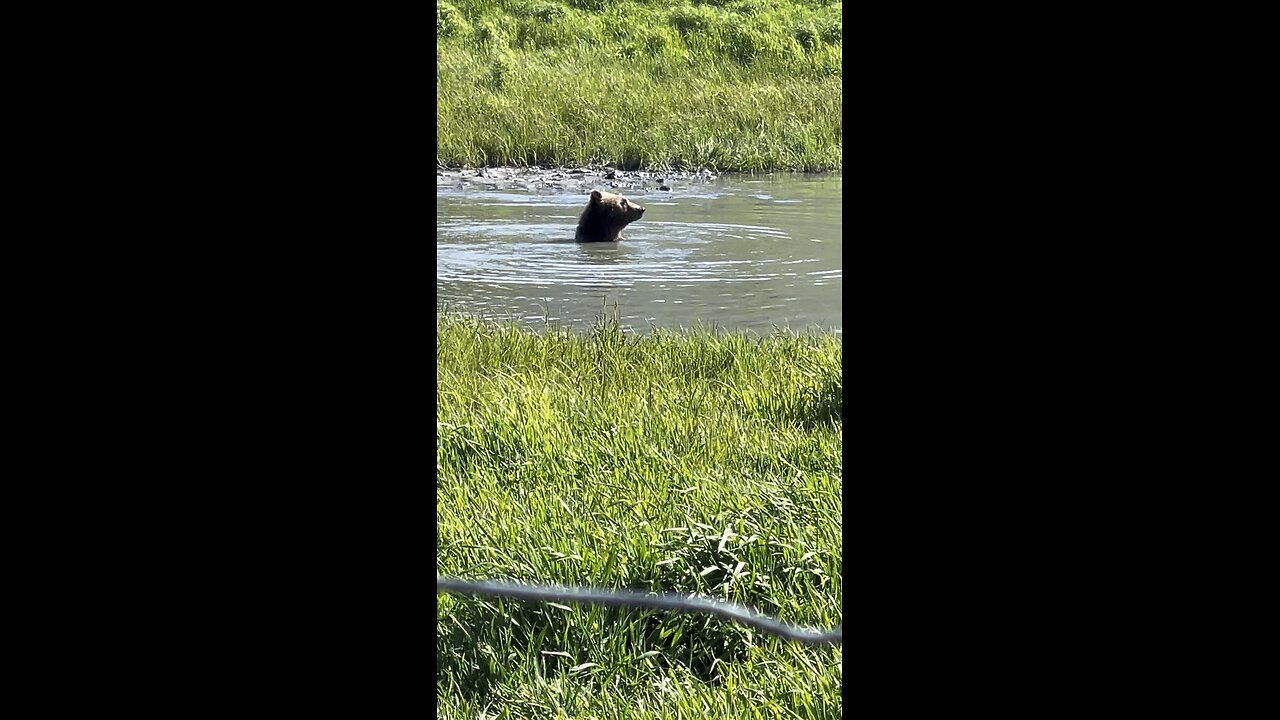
{"x": 739, "y": 253}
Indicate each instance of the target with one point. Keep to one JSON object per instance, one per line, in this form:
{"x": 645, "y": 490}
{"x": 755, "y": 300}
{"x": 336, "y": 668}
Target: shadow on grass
{"x": 477, "y": 661}
{"x": 810, "y": 408}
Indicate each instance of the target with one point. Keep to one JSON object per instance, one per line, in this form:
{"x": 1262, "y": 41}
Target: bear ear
{"x": 595, "y": 196}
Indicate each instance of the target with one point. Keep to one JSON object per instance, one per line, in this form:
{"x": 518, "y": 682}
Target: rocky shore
{"x": 560, "y": 180}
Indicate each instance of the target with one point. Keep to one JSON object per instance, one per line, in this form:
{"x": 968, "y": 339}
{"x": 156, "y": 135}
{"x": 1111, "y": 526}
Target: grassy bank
{"x": 685, "y": 462}
{"x": 732, "y": 85}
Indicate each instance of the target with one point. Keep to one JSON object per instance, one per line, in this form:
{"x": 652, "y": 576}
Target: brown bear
{"x": 605, "y": 216}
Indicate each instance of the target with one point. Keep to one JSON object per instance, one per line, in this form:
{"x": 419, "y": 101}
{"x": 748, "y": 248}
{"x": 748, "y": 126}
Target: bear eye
{"x": 625, "y": 203}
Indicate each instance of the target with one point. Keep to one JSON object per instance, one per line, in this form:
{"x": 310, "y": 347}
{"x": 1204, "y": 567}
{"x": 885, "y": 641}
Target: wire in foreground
{"x": 632, "y": 598}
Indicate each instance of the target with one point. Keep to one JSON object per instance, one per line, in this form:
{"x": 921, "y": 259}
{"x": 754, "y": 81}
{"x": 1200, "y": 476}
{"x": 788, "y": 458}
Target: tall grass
{"x": 742, "y": 85}
{"x": 685, "y": 462}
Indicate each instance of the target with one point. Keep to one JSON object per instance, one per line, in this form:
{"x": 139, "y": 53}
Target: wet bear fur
{"x": 605, "y": 216}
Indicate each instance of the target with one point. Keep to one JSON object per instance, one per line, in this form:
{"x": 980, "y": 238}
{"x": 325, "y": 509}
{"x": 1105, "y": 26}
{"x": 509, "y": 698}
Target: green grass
{"x": 741, "y": 85}
{"x": 690, "y": 462}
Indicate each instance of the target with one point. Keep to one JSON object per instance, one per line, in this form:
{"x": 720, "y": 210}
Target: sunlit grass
{"x": 689, "y": 462}
{"x": 749, "y": 85}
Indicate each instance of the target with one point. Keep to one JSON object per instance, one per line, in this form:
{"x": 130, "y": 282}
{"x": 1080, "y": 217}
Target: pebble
{"x": 566, "y": 179}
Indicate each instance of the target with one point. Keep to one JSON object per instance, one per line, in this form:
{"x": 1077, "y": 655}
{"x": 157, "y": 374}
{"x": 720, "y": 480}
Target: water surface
{"x": 737, "y": 253}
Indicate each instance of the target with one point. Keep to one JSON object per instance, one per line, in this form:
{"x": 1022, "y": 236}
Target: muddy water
{"x": 730, "y": 252}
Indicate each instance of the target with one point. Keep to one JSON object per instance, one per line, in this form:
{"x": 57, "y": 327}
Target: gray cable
{"x": 633, "y": 598}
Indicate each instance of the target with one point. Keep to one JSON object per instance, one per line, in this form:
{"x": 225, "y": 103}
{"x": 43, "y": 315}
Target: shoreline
{"x": 572, "y": 178}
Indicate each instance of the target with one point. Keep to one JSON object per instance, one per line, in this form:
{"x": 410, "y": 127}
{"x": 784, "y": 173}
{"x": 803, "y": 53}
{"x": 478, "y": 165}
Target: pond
{"x": 734, "y": 253}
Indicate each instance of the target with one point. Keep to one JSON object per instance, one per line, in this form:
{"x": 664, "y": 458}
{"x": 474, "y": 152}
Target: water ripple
{"x": 728, "y": 254}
